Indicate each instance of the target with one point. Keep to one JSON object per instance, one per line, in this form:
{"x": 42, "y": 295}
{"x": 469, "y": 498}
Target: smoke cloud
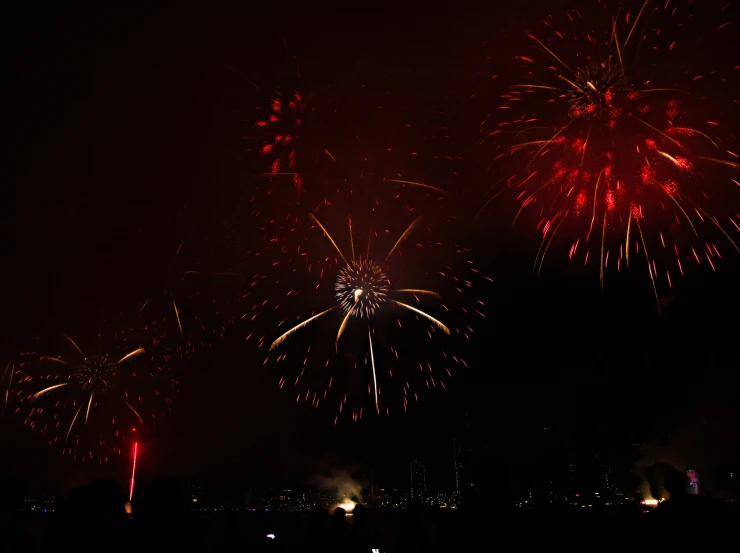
{"x": 342, "y": 483}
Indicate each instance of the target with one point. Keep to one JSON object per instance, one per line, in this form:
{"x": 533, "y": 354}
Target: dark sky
{"x": 129, "y": 138}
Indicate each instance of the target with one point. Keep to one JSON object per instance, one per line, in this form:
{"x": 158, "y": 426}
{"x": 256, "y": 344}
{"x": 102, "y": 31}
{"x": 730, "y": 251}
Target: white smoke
{"x": 341, "y": 483}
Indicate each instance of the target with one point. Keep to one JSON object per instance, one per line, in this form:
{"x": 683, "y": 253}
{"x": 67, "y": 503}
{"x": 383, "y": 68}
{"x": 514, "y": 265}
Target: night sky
{"x": 129, "y": 138}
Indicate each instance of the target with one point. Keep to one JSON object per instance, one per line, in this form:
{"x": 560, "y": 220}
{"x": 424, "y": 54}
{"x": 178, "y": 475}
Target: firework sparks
{"x": 362, "y": 292}
{"x": 280, "y": 134}
{"x": 91, "y": 375}
{"x": 618, "y": 152}
{"x": 87, "y": 405}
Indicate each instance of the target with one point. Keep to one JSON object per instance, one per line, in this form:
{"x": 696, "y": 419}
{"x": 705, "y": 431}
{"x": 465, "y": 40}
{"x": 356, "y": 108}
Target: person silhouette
{"x": 687, "y": 522}
{"x": 360, "y": 537}
{"x": 676, "y": 484}
{"x": 79, "y": 519}
{"x": 337, "y": 527}
{"x": 109, "y": 518}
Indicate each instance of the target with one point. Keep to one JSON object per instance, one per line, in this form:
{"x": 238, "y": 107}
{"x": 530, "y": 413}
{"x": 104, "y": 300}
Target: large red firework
{"x": 621, "y": 158}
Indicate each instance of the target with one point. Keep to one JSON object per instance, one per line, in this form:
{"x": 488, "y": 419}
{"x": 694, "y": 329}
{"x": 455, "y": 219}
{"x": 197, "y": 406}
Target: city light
{"x": 649, "y": 502}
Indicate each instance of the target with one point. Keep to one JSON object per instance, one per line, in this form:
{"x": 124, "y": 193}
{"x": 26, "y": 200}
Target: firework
{"x": 616, "y": 162}
{"x": 89, "y": 404}
{"x": 295, "y": 161}
{"x": 291, "y": 251}
{"x": 377, "y": 319}
{"x": 285, "y": 143}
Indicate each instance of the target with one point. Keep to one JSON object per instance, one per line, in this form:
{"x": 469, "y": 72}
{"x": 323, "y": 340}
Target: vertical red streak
{"x": 133, "y": 472}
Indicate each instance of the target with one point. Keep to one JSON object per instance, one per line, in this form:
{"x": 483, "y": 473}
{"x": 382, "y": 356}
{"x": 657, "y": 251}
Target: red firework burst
{"x": 620, "y": 163}
{"x": 280, "y": 133}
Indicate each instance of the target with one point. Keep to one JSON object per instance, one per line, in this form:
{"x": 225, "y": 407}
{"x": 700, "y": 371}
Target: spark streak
{"x": 89, "y": 404}
{"x": 372, "y": 361}
{"x": 131, "y": 355}
{"x": 50, "y": 388}
{"x": 344, "y": 324}
{"x": 420, "y": 184}
{"x": 439, "y": 324}
{"x": 133, "y": 472}
{"x": 296, "y": 328}
{"x": 177, "y": 316}
{"x": 417, "y": 291}
{"x": 403, "y": 236}
{"x": 326, "y": 233}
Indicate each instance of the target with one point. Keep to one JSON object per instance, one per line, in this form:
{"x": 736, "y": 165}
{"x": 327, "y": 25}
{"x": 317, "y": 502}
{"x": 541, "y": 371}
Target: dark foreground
{"x": 93, "y": 518}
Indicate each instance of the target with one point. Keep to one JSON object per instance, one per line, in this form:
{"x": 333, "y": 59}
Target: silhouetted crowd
{"x": 97, "y": 518}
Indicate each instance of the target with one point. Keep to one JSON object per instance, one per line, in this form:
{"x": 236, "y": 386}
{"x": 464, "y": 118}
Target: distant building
{"x": 285, "y": 500}
{"x": 457, "y": 462}
{"x": 609, "y": 485}
{"x": 324, "y": 498}
{"x": 571, "y": 470}
{"x": 417, "y": 479}
{"x": 439, "y": 500}
{"x": 391, "y": 499}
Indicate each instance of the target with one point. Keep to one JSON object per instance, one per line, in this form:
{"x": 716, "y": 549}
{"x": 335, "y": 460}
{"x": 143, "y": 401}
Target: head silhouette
{"x": 655, "y": 475}
{"x": 675, "y": 482}
{"x": 107, "y": 497}
{"x": 359, "y": 513}
{"x": 339, "y": 516}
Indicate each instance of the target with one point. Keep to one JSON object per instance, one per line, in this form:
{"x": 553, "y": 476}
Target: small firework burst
{"x": 280, "y": 130}
{"x": 361, "y": 288}
{"x": 90, "y": 403}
